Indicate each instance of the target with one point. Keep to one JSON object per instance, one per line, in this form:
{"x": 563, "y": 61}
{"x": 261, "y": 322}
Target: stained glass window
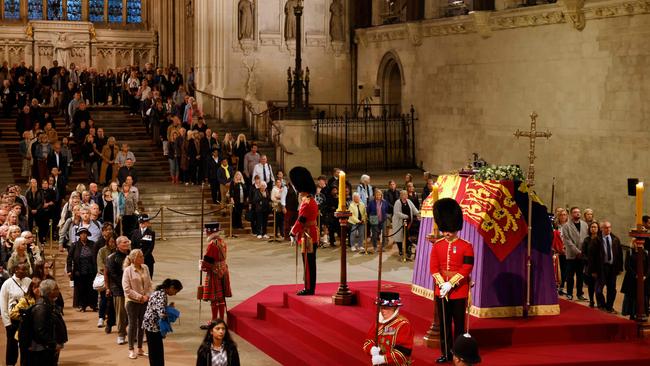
{"x": 12, "y": 9}
{"x": 54, "y": 10}
{"x": 35, "y": 9}
{"x": 115, "y": 11}
{"x": 74, "y": 10}
{"x": 96, "y": 10}
{"x": 133, "y": 11}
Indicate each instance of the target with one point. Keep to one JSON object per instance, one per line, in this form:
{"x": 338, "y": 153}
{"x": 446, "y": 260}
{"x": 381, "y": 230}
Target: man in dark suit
{"x": 212, "y": 170}
{"x": 55, "y": 159}
{"x": 59, "y": 183}
{"x": 127, "y": 171}
{"x": 612, "y": 264}
{"x": 144, "y": 238}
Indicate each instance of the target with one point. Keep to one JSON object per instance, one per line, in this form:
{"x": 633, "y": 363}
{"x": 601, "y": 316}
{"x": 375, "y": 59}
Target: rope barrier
{"x": 192, "y": 214}
{"x": 156, "y": 215}
{"x": 395, "y": 233}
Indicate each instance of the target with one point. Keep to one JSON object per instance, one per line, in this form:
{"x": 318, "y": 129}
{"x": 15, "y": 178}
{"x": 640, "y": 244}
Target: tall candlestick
{"x": 639, "y": 204}
{"x": 342, "y": 193}
{"x": 434, "y": 197}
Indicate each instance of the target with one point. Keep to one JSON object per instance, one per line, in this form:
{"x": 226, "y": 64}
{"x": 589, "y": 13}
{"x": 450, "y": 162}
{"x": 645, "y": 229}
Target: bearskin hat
{"x": 448, "y": 215}
{"x": 303, "y": 181}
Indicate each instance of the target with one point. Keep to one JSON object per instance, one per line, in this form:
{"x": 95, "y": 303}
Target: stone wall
{"x": 36, "y": 43}
{"x": 256, "y": 68}
{"x": 475, "y": 79}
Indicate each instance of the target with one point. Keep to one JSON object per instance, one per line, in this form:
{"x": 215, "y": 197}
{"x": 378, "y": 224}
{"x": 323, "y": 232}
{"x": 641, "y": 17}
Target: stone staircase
{"x": 180, "y": 209}
{"x": 150, "y": 163}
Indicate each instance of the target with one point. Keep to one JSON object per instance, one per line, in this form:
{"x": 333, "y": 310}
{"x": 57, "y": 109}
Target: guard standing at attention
{"x": 305, "y": 230}
{"x": 452, "y": 260}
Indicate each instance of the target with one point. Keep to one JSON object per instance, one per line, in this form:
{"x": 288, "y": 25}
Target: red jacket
{"x": 395, "y": 341}
{"x": 452, "y": 262}
{"x": 307, "y": 220}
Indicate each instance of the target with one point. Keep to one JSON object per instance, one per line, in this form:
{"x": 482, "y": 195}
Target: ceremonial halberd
{"x": 494, "y": 214}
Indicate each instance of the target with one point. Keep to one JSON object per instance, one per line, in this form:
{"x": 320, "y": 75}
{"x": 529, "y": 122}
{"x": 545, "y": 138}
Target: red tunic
{"x": 452, "y": 262}
{"x": 395, "y": 341}
{"x": 307, "y": 216}
{"x": 216, "y": 284}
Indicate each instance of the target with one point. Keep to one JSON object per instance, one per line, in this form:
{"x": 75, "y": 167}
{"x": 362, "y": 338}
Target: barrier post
{"x": 162, "y": 223}
{"x": 404, "y": 239}
{"x": 51, "y": 235}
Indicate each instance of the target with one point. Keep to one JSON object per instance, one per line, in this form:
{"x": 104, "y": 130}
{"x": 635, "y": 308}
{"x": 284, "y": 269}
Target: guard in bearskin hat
{"x": 393, "y": 333}
{"x": 305, "y": 230}
{"x": 452, "y": 260}
{"x": 465, "y": 351}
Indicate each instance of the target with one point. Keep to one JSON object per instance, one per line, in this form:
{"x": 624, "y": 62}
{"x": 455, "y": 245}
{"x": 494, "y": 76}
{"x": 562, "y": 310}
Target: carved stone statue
{"x": 246, "y": 22}
{"x": 337, "y": 30}
{"x": 290, "y": 20}
{"x": 63, "y": 49}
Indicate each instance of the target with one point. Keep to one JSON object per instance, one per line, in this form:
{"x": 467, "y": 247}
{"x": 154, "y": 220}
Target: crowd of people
{"x": 588, "y": 253}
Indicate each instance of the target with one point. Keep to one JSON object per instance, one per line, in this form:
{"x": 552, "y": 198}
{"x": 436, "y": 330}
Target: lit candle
{"x": 342, "y": 205}
{"x": 434, "y": 197}
{"x": 639, "y": 204}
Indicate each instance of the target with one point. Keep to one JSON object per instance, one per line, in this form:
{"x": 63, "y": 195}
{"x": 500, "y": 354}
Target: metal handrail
{"x": 259, "y": 123}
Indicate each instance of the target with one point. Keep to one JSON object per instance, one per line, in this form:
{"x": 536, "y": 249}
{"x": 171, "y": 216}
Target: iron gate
{"x": 367, "y": 142}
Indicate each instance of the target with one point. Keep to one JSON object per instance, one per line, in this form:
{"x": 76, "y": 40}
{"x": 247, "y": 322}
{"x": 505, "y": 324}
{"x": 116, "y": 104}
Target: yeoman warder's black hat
{"x": 390, "y": 299}
{"x": 448, "y": 215}
{"x": 303, "y": 181}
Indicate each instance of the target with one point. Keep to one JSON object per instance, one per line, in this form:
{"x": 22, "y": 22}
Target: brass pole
{"x": 230, "y": 208}
{"x": 379, "y": 265}
{"x": 51, "y": 235}
{"x": 404, "y": 239}
{"x": 201, "y": 253}
{"x": 162, "y": 223}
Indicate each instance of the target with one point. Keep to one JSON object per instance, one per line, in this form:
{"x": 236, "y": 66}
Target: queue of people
{"x": 588, "y": 254}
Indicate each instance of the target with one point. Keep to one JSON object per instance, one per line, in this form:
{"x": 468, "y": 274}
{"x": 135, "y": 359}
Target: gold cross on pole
{"x": 533, "y": 134}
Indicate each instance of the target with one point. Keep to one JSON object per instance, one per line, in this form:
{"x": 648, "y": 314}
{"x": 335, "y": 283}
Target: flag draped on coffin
{"x": 495, "y": 217}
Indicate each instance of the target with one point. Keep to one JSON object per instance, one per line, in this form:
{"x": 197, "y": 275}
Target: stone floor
{"x": 254, "y": 264}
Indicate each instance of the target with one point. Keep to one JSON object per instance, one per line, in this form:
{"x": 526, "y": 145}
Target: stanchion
{"x": 231, "y": 208}
{"x": 162, "y": 223}
{"x": 201, "y": 253}
{"x": 275, "y": 225}
{"x": 404, "y": 239}
{"x": 51, "y": 236}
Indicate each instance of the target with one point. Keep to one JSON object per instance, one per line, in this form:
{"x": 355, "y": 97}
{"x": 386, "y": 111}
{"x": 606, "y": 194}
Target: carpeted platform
{"x": 311, "y": 330}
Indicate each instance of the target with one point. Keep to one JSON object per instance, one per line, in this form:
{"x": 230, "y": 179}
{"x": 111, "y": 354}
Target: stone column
{"x": 377, "y": 10}
{"x": 84, "y": 10}
{"x": 432, "y": 9}
{"x": 299, "y": 138}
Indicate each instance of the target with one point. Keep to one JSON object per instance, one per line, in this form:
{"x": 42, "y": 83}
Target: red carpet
{"x": 311, "y": 330}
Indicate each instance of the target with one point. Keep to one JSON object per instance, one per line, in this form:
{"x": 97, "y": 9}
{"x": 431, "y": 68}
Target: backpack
{"x": 26, "y": 326}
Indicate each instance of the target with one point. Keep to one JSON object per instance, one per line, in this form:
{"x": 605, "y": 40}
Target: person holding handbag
{"x": 377, "y": 218}
{"x": 137, "y": 286}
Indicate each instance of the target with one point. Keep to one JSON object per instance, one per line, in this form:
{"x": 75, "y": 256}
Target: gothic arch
{"x": 390, "y": 79}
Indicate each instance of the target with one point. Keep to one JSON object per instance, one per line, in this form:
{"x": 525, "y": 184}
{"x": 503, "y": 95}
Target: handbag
{"x": 373, "y": 220}
{"x": 98, "y": 283}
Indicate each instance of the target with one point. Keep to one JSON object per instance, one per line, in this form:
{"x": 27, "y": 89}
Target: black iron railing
{"x": 367, "y": 142}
